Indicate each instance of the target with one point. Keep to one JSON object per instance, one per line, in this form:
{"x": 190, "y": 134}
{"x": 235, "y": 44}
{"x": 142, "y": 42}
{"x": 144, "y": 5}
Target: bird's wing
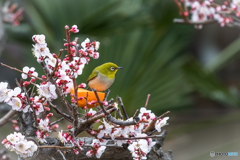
{"x": 93, "y": 75}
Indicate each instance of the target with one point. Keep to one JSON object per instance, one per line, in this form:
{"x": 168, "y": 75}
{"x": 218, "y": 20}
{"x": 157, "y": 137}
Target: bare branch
{"x": 182, "y": 21}
{"x": 20, "y": 71}
{"x": 64, "y": 115}
{"x": 151, "y": 125}
{"x": 5, "y": 118}
{"x": 123, "y": 108}
{"x": 62, "y": 154}
{"x": 148, "y": 96}
{"x": 57, "y": 121}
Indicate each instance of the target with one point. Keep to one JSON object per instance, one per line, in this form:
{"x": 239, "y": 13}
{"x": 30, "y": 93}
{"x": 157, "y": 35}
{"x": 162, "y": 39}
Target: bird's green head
{"x": 108, "y": 69}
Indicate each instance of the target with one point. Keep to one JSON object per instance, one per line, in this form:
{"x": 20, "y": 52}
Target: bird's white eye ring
{"x": 112, "y": 68}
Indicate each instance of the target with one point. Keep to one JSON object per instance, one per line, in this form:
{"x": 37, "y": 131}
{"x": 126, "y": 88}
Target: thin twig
{"x": 123, "y": 108}
{"x": 56, "y": 65}
{"x": 182, "y": 21}
{"x": 59, "y": 147}
{"x": 20, "y": 71}
{"x": 152, "y": 124}
{"x": 62, "y": 154}
{"x": 130, "y": 138}
{"x": 107, "y": 94}
{"x": 100, "y": 103}
{"x": 64, "y": 115}
{"x": 148, "y": 96}
{"x": 56, "y": 121}
{"x": 7, "y": 116}
{"x": 135, "y": 113}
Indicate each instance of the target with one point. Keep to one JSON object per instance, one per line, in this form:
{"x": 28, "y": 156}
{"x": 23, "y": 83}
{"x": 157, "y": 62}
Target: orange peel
{"x": 91, "y": 97}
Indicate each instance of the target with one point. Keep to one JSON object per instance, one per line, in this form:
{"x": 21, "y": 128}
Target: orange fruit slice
{"x": 91, "y": 97}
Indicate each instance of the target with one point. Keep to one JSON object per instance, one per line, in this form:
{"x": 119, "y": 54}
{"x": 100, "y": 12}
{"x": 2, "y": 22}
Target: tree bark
{"x": 113, "y": 152}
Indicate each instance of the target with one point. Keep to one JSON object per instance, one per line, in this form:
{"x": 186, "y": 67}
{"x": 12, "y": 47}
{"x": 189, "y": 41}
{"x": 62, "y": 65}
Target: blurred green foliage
{"x": 138, "y": 35}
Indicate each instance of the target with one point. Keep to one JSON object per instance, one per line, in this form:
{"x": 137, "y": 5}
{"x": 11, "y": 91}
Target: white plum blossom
{"x": 16, "y": 142}
{"x": 15, "y": 103}
{"x": 47, "y": 90}
{"x": 41, "y": 51}
{"x": 28, "y": 70}
{"x": 50, "y": 60}
{"x": 91, "y": 112}
{"x": 3, "y": 91}
{"x": 14, "y": 93}
{"x": 100, "y": 151}
{"x": 160, "y": 123}
{"x": 41, "y": 137}
{"x": 61, "y": 137}
{"x": 141, "y": 144}
{"x": 43, "y": 125}
{"x": 106, "y": 131}
{"x": 40, "y": 39}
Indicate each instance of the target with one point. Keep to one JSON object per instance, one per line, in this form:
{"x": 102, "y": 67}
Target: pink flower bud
{"x": 72, "y": 49}
{"x": 105, "y": 103}
{"x": 65, "y": 44}
{"x": 31, "y": 99}
{"x": 4, "y": 141}
{"x": 26, "y": 83}
{"x": 75, "y": 151}
{"x": 55, "y": 126}
{"x": 33, "y": 80}
{"x": 14, "y": 121}
{"x": 38, "y": 120}
{"x": 93, "y": 102}
{"x": 73, "y": 43}
{"x": 81, "y": 143}
{"x": 50, "y": 115}
{"x": 65, "y": 135}
{"x": 89, "y": 114}
{"x": 85, "y": 107}
{"x": 73, "y": 100}
{"x": 185, "y": 14}
{"x": 82, "y": 85}
{"x": 66, "y": 27}
{"x": 89, "y": 103}
{"x": 80, "y": 98}
{"x": 104, "y": 115}
{"x": 69, "y": 138}
{"x": 87, "y": 59}
{"x": 44, "y": 77}
{"x": 16, "y": 127}
{"x": 92, "y": 132}
{"x": 54, "y": 55}
{"x": 69, "y": 127}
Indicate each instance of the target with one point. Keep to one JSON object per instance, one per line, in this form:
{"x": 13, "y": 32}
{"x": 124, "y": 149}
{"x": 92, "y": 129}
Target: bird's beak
{"x": 120, "y": 68}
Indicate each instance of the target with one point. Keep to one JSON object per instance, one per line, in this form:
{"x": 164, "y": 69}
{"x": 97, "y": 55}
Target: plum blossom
{"x": 40, "y": 39}
{"x": 43, "y": 125}
{"x": 15, "y": 103}
{"x": 61, "y": 137}
{"x": 41, "y": 136}
{"x": 50, "y": 60}
{"x": 160, "y": 123}
{"x": 100, "y": 151}
{"x": 3, "y": 91}
{"x": 141, "y": 145}
{"x": 47, "y": 90}
{"x": 16, "y": 142}
{"x": 75, "y": 29}
{"x": 28, "y": 70}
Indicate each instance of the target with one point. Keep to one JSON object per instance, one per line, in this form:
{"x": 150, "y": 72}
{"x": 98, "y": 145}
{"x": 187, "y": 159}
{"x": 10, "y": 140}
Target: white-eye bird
{"x": 103, "y": 76}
